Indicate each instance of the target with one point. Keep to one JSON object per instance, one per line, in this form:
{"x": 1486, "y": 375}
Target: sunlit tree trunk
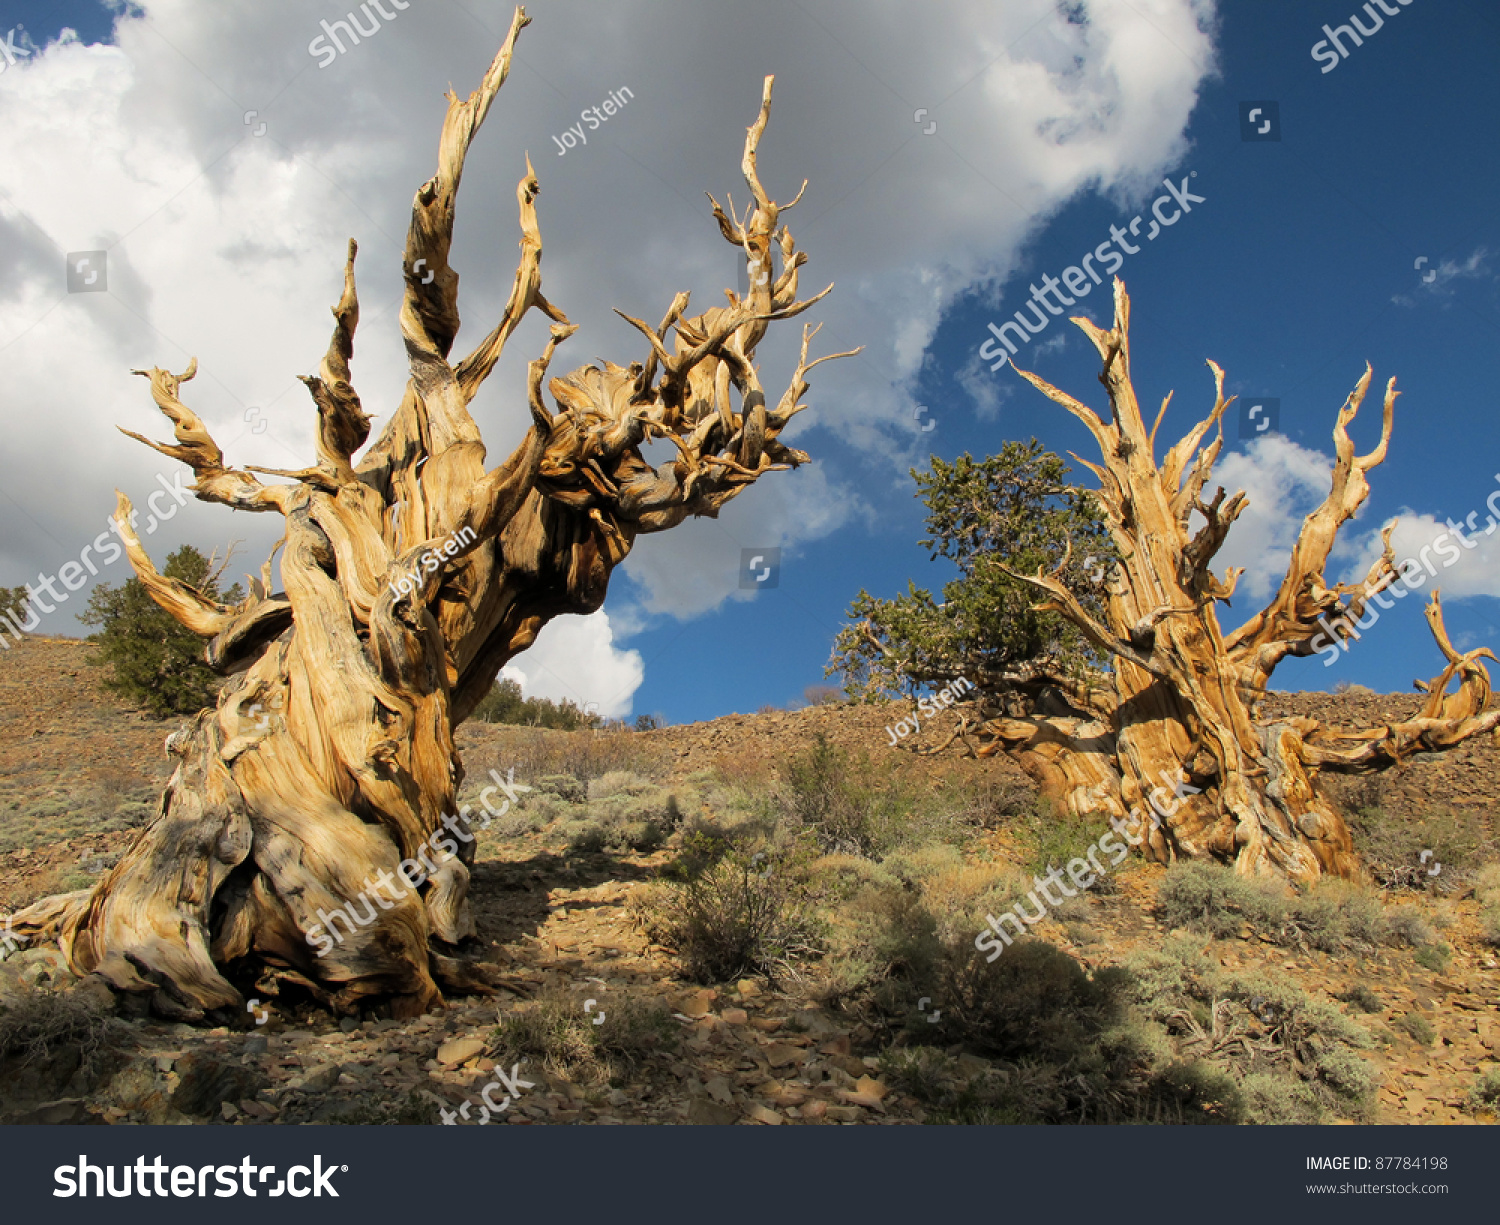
{"x": 308, "y": 838}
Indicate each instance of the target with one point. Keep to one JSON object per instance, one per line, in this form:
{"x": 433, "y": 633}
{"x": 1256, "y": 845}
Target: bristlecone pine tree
{"x": 330, "y": 756}
{"x": 1181, "y": 706}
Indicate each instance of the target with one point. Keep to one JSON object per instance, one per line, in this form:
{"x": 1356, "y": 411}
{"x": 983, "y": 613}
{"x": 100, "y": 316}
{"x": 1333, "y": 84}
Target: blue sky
{"x": 1297, "y": 267}
{"x": 1288, "y": 276}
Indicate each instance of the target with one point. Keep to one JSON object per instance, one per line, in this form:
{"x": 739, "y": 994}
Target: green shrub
{"x": 564, "y": 786}
{"x": 504, "y": 703}
{"x": 1393, "y": 847}
{"x": 1406, "y": 925}
{"x": 959, "y": 890}
{"x": 852, "y": 806}
{"x": 1169, "y": 979}
{"x": 823, "y": 792}
{"x": 557, "y": 1030}
{"x": 1361, "y": 997}
{"x": 1487, "y": 893}
{"x": 1485, "y": 1095}
{"x": 922, "y": 1072}
{"x": 1069, "y": 1045}
{"x": 1306, "y": 1038}
{"x": 1435, "y": 957}
{"x": 883, "y": 944}
{"x": 1272, "y": 1099}
{"x": 153, "y": 660}
{"x": 1054, "y": 836}
{"x": 1332, "y": 915}
{"x": 14, "y": 602}
{"x": 1416, "y": 1027}
{"x": 1217, "y": 901}
{"x": 586, "y": 837}
{"x": 1035, "y": 1001}
{"x": 737, "y": 914}
{"x": 536, "y": 812}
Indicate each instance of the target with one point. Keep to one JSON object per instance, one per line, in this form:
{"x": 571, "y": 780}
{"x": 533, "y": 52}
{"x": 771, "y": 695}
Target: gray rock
{"x": 65, "y": 1110}
{"x": 207, "y": 1080}
{"x": 706, "y": 1113}
{"x": 136, "y": 1086}
{"x": 322, "y": 1079}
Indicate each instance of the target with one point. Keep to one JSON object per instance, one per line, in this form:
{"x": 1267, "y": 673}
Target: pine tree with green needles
{"x": 1017, "y": 507}
{"x": 153, "y": 660}
{"x": 14, "y": 601}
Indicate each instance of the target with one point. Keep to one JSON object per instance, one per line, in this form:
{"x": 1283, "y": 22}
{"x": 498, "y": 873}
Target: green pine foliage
{"x": 13, "y": 604}
{"x": 154, "y": 661}
{"x": 1015, "y": 508}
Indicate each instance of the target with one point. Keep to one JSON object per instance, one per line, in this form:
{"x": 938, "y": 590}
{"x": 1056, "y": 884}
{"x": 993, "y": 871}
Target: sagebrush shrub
{"x": 556, "y": 1029}
{"x": 737, "y": 915}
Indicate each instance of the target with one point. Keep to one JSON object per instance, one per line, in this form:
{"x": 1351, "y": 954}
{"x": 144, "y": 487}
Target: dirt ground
{"x": 78, "y": 771}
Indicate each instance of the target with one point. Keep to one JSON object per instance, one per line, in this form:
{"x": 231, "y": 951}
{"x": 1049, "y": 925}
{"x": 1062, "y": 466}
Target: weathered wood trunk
{"x": 309, "y": 838}
{"x": 1179, "y": 750}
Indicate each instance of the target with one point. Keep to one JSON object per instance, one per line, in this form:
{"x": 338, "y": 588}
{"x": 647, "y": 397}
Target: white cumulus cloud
{"x": 576, "y": 658}
{"x": 227, "y": 245}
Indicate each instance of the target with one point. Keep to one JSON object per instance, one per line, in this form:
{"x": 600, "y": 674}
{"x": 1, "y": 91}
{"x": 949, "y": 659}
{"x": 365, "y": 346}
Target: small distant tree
{"x": 154, "y": 660}
{"x": 647, "y": 723}
{"x": 13, "y": 605}
{"x": 822, "y": 695}
{"x": 505, "y": 703}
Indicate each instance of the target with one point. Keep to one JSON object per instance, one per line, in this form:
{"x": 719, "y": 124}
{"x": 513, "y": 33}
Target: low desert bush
{"x": 1408, "y": 926}
{"x": 1416, "y": 1027}
{"x": 623, "y": 812}
{"x": 730, "y": 912}
{"x": 1360, "y": 996}
{"x": 33, "y": 1024}
{"x": 1295, "y": 1059}
{"x": 852, "y": 807}
{"x": 1485, "y": 1095}
{"x": 88, "y": 811}
{"x": 536, "y": 753}
{"x": 1393, "y": 845}
{"x": 556, "y": 1030}
{"x": 1208, "y": 898}
{"x": 1053, "y": 836}
{"x": 1435, "y": 957}
{"x": 1487, "y": 893}
{"x": 1332, "y": 915}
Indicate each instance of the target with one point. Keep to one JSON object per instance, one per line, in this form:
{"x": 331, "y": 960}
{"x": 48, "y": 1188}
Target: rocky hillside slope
{"x": 78, "y": 772}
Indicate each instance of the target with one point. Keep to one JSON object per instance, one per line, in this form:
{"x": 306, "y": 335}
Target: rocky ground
{"x": 562, "y": 925}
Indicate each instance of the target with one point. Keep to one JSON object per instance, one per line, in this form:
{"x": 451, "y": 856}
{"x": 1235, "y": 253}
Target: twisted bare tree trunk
{"x": 325, "y": 779}
{"x": 1177, "y": 730}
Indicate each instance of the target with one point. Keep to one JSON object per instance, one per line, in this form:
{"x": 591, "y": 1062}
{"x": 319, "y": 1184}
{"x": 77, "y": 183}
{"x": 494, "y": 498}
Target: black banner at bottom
{"x": 733, "y": 1174}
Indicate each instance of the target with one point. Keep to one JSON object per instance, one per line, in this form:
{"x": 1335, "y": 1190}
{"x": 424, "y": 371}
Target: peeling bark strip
{"x": 1182, "y": 690}
{"x": 272, "y": 823}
